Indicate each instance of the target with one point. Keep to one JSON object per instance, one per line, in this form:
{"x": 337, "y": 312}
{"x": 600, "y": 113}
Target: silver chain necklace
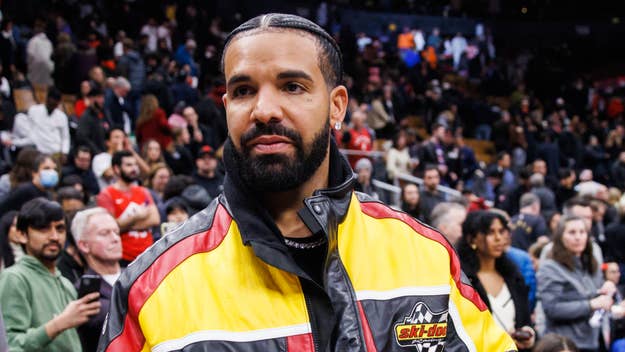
{"x": 306, "y": 245}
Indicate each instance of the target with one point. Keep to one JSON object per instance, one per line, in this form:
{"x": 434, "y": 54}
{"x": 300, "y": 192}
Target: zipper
{"x": 312, "y": 324}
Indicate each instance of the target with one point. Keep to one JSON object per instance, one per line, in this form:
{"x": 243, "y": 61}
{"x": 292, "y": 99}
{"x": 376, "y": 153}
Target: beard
{"x": 128, "y": 177}
{"x": 44, "y": 256}
{"x": 279, "y": 172}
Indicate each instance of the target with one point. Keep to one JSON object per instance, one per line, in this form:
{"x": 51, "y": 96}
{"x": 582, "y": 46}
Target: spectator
{"x": 45, "y": 178}
{"x": 448, "y": 218}
{"x": 546, "y": 196}
{"x": 430, "y": 195}
{"x": 495, "y": 277}
{"x": 177, "y": 211}
{"x": 70, "y": 263}
{"x": 555, "y": 343}
{"x": 156, "y": 181}
{"x": 364, "y": 170}
{"x": 570, "y": 285}
{"x": 185, "y": 56}
{"x": 358, "y": 137}
{"x": 22, "y": 171}
{"x": 94, "y": 123}
{"x": 432, "y": 151}
{"x": 101, "y": 164}
{"x": 528, "y": 226}
{"x": 11, "y": 240}
{"x": 117, "y": 105}
{"x": 177, "y": 155}
{"x": 618, "y": 171}
{"x": 539, "y": 166}
{"x": 398, "y": 160}
{"x": 81, "y": 166}
{"x": 96, "y": 235}
{"x": 410, "y": 200}
{"x": 152, "y": 154}
{"x": 49, "y": 128}
{"x": 39, "y": 57}
{"x": 82, "y": 102}
{"x": 152, "y": 123}
{"x": 40, "y": 309}
{"x": 565, "y": 190}
{"x": 131, "y": 205}
{"x": 206, "y": 173}
{"x": 131, "y": 66}
{"x": 615, "y": 235}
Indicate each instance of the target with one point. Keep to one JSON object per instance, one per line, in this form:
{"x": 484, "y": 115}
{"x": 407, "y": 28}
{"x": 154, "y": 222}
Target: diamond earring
{"x": 337, "y": 126}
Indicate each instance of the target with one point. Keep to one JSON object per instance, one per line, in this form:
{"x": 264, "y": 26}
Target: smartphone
{"x": 521, "y": 335}
{"x": 89, "y": 284}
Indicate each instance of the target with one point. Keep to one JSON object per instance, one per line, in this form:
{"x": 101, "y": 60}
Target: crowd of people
{"x": 126, "y": 144}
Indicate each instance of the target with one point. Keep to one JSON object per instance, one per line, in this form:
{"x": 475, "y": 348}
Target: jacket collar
{"x": 256, "y": 226}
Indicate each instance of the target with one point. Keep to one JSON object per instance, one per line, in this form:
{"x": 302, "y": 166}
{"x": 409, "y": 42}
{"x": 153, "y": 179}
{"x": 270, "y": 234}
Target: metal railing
{"x": 449, "y": 192}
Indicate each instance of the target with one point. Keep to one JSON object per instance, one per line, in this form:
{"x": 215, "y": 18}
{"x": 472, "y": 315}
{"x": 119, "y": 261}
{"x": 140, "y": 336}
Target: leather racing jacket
{"x": 224, "y": 281}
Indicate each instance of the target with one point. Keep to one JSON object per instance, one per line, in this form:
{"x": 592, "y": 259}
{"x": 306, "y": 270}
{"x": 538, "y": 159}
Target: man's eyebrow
{"x": 238, "y": 79}
{"x": 294, "y": 74}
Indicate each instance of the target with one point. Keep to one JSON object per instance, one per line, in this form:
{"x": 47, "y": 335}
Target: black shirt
{"x": 309, "y": 253}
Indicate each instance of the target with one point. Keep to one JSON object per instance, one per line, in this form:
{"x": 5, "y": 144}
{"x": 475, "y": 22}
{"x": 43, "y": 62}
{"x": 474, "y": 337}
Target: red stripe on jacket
{"x": 131, "y": 338}
{"x": 380, "y": 211}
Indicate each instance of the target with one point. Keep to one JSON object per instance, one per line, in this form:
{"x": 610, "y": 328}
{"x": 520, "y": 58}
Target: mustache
{"x": 274, "y": 128}
{"x": 53, "y": 242}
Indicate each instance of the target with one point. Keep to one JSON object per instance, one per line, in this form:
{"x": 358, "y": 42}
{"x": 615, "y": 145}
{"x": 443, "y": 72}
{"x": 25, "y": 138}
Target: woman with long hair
{"x": 495, "y": 277}
{"x": 152, "y": 153}
{"x": 152, "y": 123}
{"x": 571, "y": 288}
{"x": 21, "y": 172}
{"x": 10, "y": 240}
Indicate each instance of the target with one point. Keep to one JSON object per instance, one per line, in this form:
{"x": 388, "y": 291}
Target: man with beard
{"x": 131, "y": 205}
{"x": 39, "y": 305}
{"x": 94, "y": 123}
{"x": 289, "y": 257}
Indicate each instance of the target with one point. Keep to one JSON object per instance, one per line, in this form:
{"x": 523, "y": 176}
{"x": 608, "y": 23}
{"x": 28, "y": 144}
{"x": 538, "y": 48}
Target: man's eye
{"x": 293, "y": 88}
{"x": 241, "y": 91}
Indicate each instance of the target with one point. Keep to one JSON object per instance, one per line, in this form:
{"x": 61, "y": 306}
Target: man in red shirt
{"x": 131, "y": 205}
{"x": 359, "y": 137}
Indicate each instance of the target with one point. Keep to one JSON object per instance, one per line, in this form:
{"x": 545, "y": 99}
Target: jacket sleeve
{"x": 474, "y": 329}
{"x": 551, "y": 287}
{"x": 121, "y": 331}
{"x": 16, "y": 311}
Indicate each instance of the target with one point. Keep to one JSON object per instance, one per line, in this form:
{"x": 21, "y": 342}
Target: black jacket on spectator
{"x": 180, "y": 160}
{"x": 614, "y": 239}
{"x": 92, "y": 130}
{"x": 116, "y": 110}
{"x": 525, "y": 229}
{"x": 427, "y": 202}
{"x": 213, "y": 186}
{"x": 89, "y": 181}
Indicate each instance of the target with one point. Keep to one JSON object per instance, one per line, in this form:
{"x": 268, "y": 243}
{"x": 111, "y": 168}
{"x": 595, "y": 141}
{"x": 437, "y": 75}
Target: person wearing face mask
{"x": 45, "y": 179}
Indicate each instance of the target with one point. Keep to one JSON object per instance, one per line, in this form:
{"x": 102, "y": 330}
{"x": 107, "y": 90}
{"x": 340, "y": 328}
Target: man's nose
{"x": 268, "y": 106}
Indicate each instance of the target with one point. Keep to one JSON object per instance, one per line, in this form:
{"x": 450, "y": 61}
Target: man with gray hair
{"x": 118, "y": 105}
{"x": 448, "y": 218}
{"x": 96, "y": 235}
{"x": 547, "y": 197}
{"x": 528, "y": 226}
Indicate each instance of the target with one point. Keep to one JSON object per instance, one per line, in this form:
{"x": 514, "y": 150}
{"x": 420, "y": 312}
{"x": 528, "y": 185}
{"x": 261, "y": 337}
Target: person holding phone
{"x": 571, "y": 287}
{"x": 39, "y": 306}
{"x": 96, "y": 235}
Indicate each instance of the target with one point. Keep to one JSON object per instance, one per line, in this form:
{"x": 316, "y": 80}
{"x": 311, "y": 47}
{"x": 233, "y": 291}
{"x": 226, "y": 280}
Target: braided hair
{"x": 330, "y": 59}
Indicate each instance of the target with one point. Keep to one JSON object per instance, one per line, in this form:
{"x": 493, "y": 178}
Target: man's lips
{"x": 269, "y": 143}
